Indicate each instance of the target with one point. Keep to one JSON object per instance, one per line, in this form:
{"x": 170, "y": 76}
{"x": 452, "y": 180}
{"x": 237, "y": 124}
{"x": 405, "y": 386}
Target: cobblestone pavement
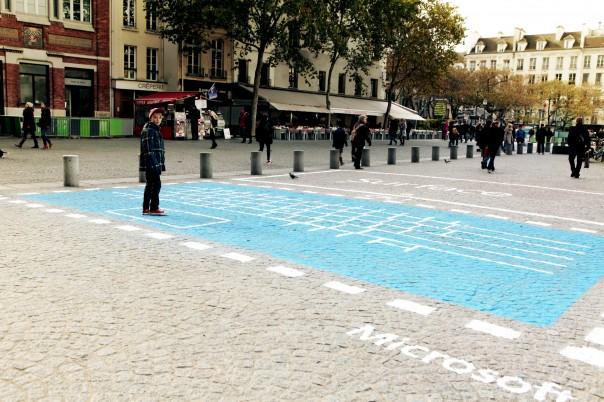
{"x": 105, "y": 308}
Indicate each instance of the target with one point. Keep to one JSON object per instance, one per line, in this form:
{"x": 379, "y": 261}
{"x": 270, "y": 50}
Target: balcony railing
{"x": 193, "y": 71}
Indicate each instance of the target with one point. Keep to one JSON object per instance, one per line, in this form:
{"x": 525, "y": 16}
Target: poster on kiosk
{"x": 180, "y": 125}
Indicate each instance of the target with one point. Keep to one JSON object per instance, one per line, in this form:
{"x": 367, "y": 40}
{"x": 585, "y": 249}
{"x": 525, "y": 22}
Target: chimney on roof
{"x": 500, "y": 34}
{"x": 559, "y": 32}
{"x": 518, "y": 34}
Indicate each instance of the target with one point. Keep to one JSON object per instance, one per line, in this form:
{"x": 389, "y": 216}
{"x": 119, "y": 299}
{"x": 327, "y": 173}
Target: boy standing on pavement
{"x": 152, "y": 161}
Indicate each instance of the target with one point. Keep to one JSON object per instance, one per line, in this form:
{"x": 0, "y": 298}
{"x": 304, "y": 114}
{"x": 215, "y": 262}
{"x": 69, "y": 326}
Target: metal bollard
{"x": 508, "y": 149}
{"x": 298, "y": 161}
{"x": 435, "y": 153}
{"x": 256, "y": 162}
{"x": 414, "y": 154}
{"x": 470, "y": 151}
{"x": 529, "y": 148}
{"x": 205, "y": 165}
{"x": 498, "y": 153}
{"x": 334, "y": 158}
{"x": 71, "y": 170}
{"x": 392, "y": 155}
{"x": 366, "y": 158}
{"x": 453, "y": 153}
{"x": 548, "y": 147}
{"x": 520, "y": 149}
{"x": 142, "y": 175}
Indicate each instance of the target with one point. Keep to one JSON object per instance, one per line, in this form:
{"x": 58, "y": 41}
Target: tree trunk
{"x": 389, "y": 98}
{"x": 257, "y": 74}
{"x": 328, "y": 89}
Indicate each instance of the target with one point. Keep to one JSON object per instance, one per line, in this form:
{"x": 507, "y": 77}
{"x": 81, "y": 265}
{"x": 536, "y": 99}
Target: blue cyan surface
{"x": 517, "y": 271}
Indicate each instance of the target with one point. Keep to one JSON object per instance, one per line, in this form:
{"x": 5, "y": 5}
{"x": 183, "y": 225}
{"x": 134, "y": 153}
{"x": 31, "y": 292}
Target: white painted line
{"x": 159, "y": 236}
{"x": 538, "y": 223}
{"x": 54, "y": 211}
{"x": 505, "y": 218}
{"x": 285, "y": 271}
{"x": 28, "y": 193}
{"x": 592, "y": 356}
{"x": 492, "y": 329}
{"x": 278, "y": 188}
{"x": 92, "y": 189}
{"x": 62, "y": 191}
{"x": 75, "y": 216}
{"x": 310, "y": 192}
{"x": 18, "y": 202}
{"x": 99, "y": 221}
{"x": 119, "y": 187}
{"x": 584, "y": 230}
{"x": 196, "y": 246}
{"x": 170, "y": 184}
{"x": 341, "y": 287}
{"x": 596, "y": 336}
{"x": 34, "y": 205}
{"x": 127, "y": 228}
{"x": 411, "y": 306}
{"x": 190, "y": 182}
{"x": 426, "y": 206}
{"x": 238, "y": 257}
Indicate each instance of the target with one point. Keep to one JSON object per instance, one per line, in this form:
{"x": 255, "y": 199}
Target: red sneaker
{"x": 145, "y": 212}
{"x": 157, "y": 212}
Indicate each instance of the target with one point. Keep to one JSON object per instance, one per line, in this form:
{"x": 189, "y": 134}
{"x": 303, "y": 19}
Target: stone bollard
{"x": 508, "y": 149}
{"x": 548, "y": 147}
{"x": 71, "y": 170}
{"x": 470, "y": 151}
{"x": 529, "y": 148}
{"x": 256, "y": 162}
{"x": 298, "y": 161}
{"x": 334, "y": 158}
{"x": 435, "y": 153}
{"x": 205, "y": 165}
{"x": 520, "y": 149}
{"x": 414, "y": 154}
{"x": 366, "y": 158}
{"x": 392, "y": 155}
{"x": 142, "y": 175}
{"x": 453, "y": 153}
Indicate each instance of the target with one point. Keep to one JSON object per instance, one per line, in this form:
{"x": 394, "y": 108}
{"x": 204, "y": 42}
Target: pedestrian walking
{"x": 494, "y": 139}
{"x": 264, "y": 136}
{"x": 578, "y": 143}
{"x": 243, "y": 129}
{"x": 445, "y": 130}
{"x": 45, "y": 124}
{"x": 482, "y": 142}
{"x": 393, "y": 131}
{"x": 214, "y": 126}
{"x": 194, "y": 116}
{"x": 360, "y": 136}
{"x": 152, "y": 161}
{"x": 29, "y": 125}
{"x": 508, "y": 138}
{"x": 403, "y": 132}
{"x": 540, "y": 136}
{"x": 550, "y": 134}
{"x": 340, "y": 140}
{"x": 520, "y": 135}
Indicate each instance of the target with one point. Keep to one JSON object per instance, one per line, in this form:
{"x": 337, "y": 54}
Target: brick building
{"x": 56, "y": 52}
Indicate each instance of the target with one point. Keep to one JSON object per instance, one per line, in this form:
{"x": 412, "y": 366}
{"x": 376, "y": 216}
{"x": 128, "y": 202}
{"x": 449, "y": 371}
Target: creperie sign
{"x": 140, "y": 85}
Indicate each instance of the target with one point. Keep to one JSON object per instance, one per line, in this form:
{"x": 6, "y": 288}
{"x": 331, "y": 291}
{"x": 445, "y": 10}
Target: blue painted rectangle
{"x": 514, "y": 270}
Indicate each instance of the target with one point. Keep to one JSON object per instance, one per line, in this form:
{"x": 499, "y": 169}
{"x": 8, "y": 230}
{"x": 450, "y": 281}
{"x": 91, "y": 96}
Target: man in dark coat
{"x": 152, "y": 161}
{"x": 494, "y": 139}
{"x": 264, "y": 136}
{"x": 194, "y": 116}
{"x": 541, "y": 134}
{"x": 29, "y": 125}
{"x": 393, "y": 131}
{"x": 340, "y": 140}
{"x": 578, "y": 142}
{"x": 45, "y": 124}
{"x": 361, "y": 135}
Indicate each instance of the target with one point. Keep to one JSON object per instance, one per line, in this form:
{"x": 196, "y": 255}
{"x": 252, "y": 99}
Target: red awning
{"x": 164, "y": 97}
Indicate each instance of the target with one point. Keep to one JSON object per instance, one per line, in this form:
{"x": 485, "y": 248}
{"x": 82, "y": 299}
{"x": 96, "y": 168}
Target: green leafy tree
{"x": 422, "y": 49}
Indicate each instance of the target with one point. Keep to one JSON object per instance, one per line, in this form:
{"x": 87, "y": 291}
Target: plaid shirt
{"x": 152, "y": 149}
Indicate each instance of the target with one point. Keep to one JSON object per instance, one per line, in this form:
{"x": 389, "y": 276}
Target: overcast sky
{"x": 489, "y": 17}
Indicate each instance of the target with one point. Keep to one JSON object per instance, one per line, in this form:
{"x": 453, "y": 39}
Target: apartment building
{"x": 55, "y": 52}
{"x": 575, "y": 57}
{"x": 142, "y": 62}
